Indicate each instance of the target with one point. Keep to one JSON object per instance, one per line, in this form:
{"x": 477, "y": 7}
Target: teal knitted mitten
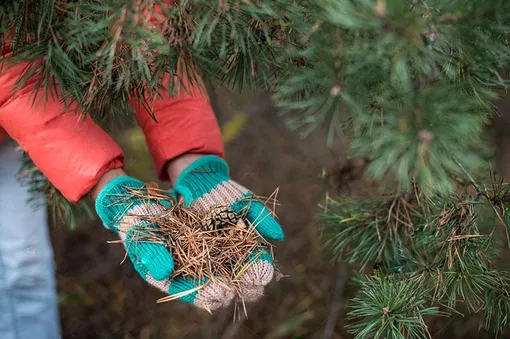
{"x": 205, "y": 184}
{"x": 118, "y": 209}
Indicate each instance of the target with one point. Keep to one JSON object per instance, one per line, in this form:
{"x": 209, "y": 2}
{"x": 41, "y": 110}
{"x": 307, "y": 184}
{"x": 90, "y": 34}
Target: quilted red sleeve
{"x": 72, "y": 152}
{"x": 184, "y": 124}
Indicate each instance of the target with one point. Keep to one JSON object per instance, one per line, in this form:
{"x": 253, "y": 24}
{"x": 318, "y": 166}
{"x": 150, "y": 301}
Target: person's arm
{"x": 185, "y": 143}
{"x": 72, "y": 152}
{"x": 186, "y": 128}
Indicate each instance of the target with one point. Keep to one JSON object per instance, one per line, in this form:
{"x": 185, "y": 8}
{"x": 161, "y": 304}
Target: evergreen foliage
{"x": 43, "y": 194}
{"x": 412, "y": 82}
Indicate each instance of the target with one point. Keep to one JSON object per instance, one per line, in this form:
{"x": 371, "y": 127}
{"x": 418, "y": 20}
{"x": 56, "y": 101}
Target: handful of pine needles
{"x": 218, "y": 246}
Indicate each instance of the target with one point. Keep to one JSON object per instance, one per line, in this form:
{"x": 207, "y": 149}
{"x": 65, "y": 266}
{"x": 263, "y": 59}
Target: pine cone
{"x": 219, "y": 217}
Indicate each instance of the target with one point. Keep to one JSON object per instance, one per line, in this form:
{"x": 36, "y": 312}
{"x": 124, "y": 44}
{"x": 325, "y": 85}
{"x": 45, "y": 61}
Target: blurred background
{"x": 102, "y": 298}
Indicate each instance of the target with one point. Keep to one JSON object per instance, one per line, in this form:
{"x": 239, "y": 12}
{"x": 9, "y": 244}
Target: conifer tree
{"x": 411, "y": 82}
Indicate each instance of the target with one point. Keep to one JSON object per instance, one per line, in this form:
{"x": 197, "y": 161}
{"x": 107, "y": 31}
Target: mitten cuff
{"x": 113, "y": 201}
{"x": 202, "y": 176}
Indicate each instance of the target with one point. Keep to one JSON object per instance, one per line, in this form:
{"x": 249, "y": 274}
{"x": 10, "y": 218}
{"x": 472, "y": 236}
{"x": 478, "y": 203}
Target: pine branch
{"x": 103, "y": 52}
{"x": 443, "y": 244}
{"x": 390, "y": 307}
{"x": 395, "y": 63}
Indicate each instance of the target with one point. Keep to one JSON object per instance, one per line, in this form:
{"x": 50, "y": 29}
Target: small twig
{"x": 463, "y": 236}
{"x": 473, "y": 183}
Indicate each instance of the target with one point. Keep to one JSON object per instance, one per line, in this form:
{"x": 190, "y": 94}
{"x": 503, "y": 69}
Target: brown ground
{"x": 99, "y": 298}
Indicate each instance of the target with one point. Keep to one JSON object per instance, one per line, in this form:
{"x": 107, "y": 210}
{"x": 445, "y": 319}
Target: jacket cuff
{"x": 88, "y": 185}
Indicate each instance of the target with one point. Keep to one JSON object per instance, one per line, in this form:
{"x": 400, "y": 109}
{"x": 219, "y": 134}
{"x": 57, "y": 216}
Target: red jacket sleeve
{"x": 184, "y": 124}
{"x": 72, "y": 152}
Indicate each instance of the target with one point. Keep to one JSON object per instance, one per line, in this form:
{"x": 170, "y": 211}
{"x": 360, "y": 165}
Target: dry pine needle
{"x": 218, "y": 246}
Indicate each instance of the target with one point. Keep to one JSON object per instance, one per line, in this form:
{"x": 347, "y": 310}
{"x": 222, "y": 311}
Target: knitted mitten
{"x": 120, "y": 212}
{"x": 205, "y": 184}
{"x": 256, "y": 277}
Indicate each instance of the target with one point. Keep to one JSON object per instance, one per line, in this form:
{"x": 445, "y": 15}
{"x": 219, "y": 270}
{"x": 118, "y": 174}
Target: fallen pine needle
{"x": 219, "y": 254}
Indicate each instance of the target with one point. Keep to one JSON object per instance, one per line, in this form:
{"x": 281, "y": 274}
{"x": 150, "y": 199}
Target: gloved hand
{"x": 206, "y": 183}
{"x": 118, "y": 209}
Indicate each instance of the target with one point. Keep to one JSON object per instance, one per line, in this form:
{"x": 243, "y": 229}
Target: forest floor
{"x": 102, "y": 298}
